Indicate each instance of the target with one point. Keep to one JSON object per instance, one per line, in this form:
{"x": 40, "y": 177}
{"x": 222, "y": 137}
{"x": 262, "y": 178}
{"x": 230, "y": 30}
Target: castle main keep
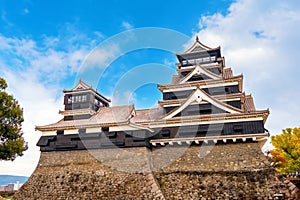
{"x": 202, "y": 141}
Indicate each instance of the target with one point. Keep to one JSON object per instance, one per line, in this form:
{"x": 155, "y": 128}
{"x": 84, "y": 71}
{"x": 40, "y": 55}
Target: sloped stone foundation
{"x": 231, "y": 171}
{"x": 223, "y": 185}
{"x": 79, "y": 175}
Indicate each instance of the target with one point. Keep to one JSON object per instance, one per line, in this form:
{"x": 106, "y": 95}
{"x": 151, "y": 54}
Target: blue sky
{"x": 37, "y": 18}
{"x": 45, "y": 45}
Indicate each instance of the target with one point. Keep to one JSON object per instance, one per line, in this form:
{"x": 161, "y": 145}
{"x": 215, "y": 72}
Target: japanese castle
{"x": 202, "y": 141}
{"x": 204, "y": 103}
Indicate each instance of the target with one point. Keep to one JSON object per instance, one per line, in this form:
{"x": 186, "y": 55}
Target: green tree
{"x": 12, "y": 143}
{"x": 286, "y": 154}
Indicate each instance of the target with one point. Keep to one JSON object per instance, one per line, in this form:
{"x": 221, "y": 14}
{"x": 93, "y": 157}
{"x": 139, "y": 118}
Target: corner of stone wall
{"x": 82, "y": 175}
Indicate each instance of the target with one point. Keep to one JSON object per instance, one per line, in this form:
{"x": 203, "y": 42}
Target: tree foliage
{"x": 12, "y": 143}
{"x": 286, "y": 154}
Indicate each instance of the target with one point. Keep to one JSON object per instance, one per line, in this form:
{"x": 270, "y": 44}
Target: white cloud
{"x": 40, "y": 107}
{"x": 123, "y": 98}
{"x": 260, "y": 40}
{"x": 127, "y": 25}
{"x": 102, "y": 56}
{"x": 42, "y": 61}
{"x": 34, "y": 71}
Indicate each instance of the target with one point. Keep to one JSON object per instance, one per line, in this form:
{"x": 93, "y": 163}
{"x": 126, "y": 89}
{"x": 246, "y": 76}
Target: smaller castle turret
{"x": 82, "y": 102}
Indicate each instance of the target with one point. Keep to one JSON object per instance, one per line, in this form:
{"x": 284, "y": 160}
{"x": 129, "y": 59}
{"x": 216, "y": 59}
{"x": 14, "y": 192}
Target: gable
{"x": 81, "y": 86}
{"x": 200, "y": 109}
{"x": 198, "y": 70}
{"x": 201, "y": 96}
{"x": 197, "y": 47}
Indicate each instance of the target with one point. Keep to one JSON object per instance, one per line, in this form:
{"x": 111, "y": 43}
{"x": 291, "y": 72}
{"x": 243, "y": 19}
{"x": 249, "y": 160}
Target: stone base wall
{"x": 223, "y": 185}
{"x": 78, "y": 175}
{"x": 230, "y": 171}
{"x": 220, "y": 157}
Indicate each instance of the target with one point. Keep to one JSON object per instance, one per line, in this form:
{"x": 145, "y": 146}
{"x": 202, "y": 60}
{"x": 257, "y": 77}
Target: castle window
{"x": 205, "y": 111}
{"x": 105, "y": 129}
{"x": 192, "y": 61}
{"x": 60, "y": 132}
{"x": 70, "y": 99}
{"x": 206, "y": 59}
{"x": 76, "y": 99}
{"x": 165, "y": 133}
{"x": 238, "y": 129}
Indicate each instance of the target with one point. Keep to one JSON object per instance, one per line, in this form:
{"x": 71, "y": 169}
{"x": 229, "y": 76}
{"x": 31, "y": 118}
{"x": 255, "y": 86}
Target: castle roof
{"x": 199, "y": 96}
{"x": 105, "y": 116}
{"x": 149, "y": 118}
{"x": 203, "y": 83}
{"x": 207, "y": 119}
{"x": 82, "y": 86}
{"x": 222, "y": 97}
{"x": 249, "y": 104}
{"x": 227, "y": 73}
{"x": 198, "y": 47}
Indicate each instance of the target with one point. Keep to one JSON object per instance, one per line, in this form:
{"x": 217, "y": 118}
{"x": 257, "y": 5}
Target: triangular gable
{"x": 197, "y": 47}
{"x": 200, "y": 70}
{"x": 199, "y": 96}
{"x": 81, "y": 86}
{"x": 133, "y": 112}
